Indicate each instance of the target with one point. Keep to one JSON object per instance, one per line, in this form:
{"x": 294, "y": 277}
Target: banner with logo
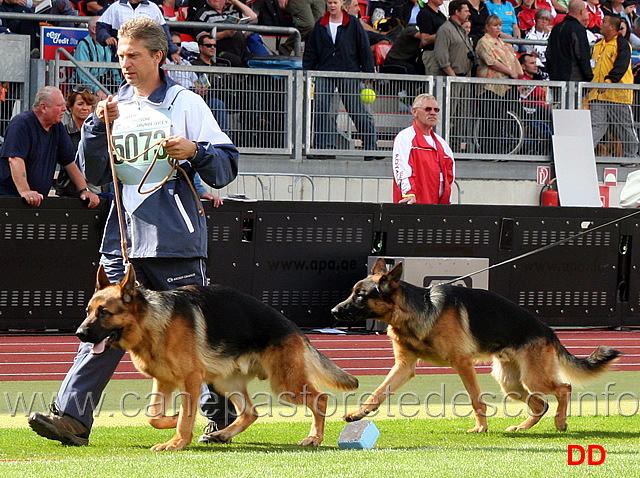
{"x": 52, "y": 38}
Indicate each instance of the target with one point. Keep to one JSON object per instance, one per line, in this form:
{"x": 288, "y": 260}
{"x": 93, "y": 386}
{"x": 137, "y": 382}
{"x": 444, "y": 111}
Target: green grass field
{"x": 415, "y": 440}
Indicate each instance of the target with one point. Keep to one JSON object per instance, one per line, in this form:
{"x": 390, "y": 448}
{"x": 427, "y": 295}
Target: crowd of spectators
{"x": 408, "y": 27}
{"x": 436, "y": 37}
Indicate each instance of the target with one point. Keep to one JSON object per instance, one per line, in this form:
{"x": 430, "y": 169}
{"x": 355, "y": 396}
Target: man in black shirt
{"x": 430, "y": 19}
{"x": 568, "y": 53}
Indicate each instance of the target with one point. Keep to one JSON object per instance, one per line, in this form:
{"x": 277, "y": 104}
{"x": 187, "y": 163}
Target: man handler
{"x": 167, "y": 240}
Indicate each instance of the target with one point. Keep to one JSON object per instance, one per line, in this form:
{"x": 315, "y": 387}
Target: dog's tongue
{"x": 97, "y": 349}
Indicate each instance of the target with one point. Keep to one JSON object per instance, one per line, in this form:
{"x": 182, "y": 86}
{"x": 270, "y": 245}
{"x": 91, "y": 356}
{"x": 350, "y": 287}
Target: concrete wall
{"x": 358, "y": 181}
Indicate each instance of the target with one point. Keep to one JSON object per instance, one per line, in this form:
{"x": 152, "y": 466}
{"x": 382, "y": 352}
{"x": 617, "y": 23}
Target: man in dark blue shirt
{"x": 35, "y": 142}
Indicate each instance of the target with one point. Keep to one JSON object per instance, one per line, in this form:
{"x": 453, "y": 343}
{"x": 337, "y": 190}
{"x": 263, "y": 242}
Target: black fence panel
{"x": 309, "y": 255}
{"x": 573, "y": 284}
{"x": 49, "y": 258}
{"x": 629, "y": 267}
{"x": 230, "y": 244}
{"x": 302, "y": 258}
{"x": 446, "y": 231}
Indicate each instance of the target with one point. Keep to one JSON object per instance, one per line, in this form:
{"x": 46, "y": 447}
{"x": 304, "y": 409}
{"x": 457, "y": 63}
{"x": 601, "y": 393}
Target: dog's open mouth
{"x": 104, "y": 344}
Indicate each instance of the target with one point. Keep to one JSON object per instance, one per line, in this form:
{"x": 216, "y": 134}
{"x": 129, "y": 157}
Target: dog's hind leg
{"x": 464, "y": 367}
{"x": 316, "y": 401}
{"x": 234, "y": 388}
{"x": 540, "y": 376}
{"x": 291, "y": 380}
{"x": 509, "y": 375}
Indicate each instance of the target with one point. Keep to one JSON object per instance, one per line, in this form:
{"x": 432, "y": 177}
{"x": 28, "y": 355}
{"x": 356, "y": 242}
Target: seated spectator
{"x": 532, "y": 96}
{"x": 119, "y": 12}
{"x": 61, "y": 7}
{"x": 405, "y": 55}
{"x": 507, "y": 13}
{"x": 525, "y": 14}
{"x": 21, "y": 27}
{"x": 89, "y": 50}
{"x": 634, "y": 37}
{"x": 619, "y": 8}
{"x": 352, "y": 7}
{"x": 557, "y": 11}
{"x": 595, "y": 15}
{"x": 230, "y": 43}
{"x": 540, "y": 31}
{"x": 35, "y": 143}
{"x": 304, "y": 14}
{"x": 625, "y": 31}
{"x": 536, "y": 111}
{"x": 406, "y": 11}
{"x": 184, "y": 78}
{"x": 80, "y": 104}
{"x": 96, "y": 7}
{"x": 210, "y": 85}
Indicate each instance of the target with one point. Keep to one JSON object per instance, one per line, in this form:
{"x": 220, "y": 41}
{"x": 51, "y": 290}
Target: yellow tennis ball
{"x": 367, "y": 95}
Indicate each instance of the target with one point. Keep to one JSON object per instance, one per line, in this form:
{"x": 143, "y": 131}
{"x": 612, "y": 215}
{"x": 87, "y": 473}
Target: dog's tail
{"x": 323, "y": 371}
{"x": 579, "y": 370}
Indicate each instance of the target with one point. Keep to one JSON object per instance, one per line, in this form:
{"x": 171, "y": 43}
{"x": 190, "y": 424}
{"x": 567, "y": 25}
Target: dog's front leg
{"x": 403, "y": 370}
{"x": 187, "y": 416}
{"x": 156, "y": 411}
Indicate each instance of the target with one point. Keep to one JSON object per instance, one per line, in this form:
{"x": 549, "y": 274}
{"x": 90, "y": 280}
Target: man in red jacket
{"x": 423, "y": 166}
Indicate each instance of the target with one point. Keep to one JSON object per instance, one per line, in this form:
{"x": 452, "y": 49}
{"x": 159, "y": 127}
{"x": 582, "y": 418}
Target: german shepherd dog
{"x": 454, "y": 326}
{"x": 218, "y": 335}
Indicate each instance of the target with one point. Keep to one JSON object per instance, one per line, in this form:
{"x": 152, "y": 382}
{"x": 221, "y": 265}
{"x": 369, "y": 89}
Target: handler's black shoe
{"x": 210, "y": 429}
{"x": 64, "y": 428}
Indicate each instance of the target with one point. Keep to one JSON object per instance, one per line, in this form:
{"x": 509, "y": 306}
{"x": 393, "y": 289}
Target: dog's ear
{"x": 380, "y": 267}
{"x": 102, "y": 280}
{"x": 128, "y": 284}
{"x": 395, "y": 274}
{"x": 389, "y": 281}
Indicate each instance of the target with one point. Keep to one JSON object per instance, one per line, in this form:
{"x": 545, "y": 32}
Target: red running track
{"x": 49, "y": 357}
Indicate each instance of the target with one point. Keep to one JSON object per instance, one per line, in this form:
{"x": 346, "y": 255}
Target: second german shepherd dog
{"x": 454, "y": 326}
{"x": 218, "y": 335}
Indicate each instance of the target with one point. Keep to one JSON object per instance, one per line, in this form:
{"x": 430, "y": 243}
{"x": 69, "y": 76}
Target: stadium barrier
{"x": 302, "y": 258}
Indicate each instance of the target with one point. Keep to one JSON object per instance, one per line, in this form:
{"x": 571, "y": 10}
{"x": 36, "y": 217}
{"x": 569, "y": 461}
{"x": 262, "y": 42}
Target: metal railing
{"x": 316, "y": 187}
{"x": 337, "y": 120}
{"x": 295, "y": 113}
{"x": 249, "y": 27}
{"x": 500, "y": 119}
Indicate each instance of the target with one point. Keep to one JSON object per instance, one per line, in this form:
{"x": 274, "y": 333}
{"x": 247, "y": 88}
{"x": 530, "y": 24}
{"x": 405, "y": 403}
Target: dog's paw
{"x": 561, "y": 427}
{"x": 514, "y": 428}
{"x": 311, "y": 441}
{"x": 478, "y": 429}
{"x": 353, "y": 416}
{"x": 174, "y": 444}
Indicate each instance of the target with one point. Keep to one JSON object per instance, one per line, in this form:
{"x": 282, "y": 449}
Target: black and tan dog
{"x": 193, "y": 335}
{"x": 454, "y": 326}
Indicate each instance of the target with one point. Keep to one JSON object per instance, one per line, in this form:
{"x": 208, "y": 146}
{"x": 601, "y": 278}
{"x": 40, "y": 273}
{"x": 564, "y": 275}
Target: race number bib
{"x": 133, "y": 133}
